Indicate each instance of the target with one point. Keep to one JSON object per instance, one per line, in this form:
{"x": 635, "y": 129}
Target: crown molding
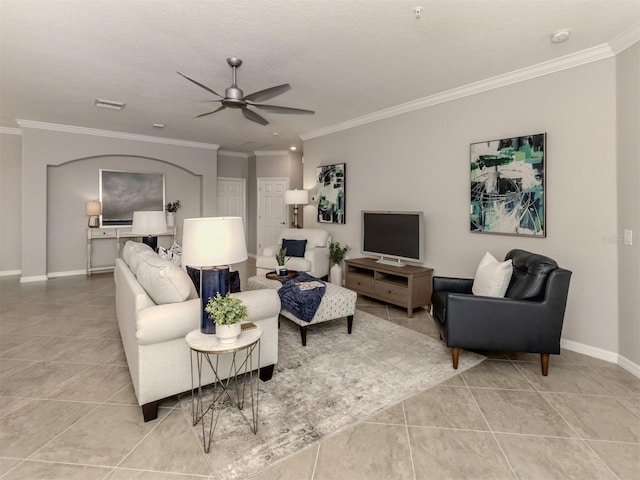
{"x": 10, "y": 131}
{"x": 545, "y": 68}
{"x": 229, "y": 153}
{"x": 626, "y": 39}
{"x": 113, "y": 134}
{"x": 271, "y": 153}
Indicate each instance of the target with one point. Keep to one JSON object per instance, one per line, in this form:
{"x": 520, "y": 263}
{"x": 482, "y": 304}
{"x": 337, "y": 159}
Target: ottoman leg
{"x": 349, "y": 323}
{"x": 303, "y": 335}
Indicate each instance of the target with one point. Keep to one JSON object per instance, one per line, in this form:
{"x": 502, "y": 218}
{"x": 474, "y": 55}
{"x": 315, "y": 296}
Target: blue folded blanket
{"x": 302, "y": 295}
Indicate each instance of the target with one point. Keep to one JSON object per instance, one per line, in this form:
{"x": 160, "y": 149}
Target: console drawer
{"x": 394, "y": 292}
{"x": 359, "y": 283}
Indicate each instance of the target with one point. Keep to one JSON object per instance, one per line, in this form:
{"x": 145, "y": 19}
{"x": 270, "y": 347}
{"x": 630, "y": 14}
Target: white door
{"x": 232, "y": 199}
{"x": 273, "y": 214}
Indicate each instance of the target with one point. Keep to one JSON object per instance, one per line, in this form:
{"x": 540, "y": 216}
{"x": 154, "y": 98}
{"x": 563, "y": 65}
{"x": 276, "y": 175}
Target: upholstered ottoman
{"x": 337, "y": 302}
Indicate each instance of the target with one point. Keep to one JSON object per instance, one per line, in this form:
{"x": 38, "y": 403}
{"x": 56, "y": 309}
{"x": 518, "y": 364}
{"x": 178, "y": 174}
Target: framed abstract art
{"x": 331, "y": 193}
{"x": 123, "y": 193}
{"x": 508, "y": 186}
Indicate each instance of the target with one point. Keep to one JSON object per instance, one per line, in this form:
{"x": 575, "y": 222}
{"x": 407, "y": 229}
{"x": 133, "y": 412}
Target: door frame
{"x": 243, "y": 182}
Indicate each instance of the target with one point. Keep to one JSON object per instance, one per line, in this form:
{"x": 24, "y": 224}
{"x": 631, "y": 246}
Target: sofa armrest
{"x": 319, "y": 258}
{"x": 260, "y": 303}
{"x": 162, "y": 323}
{"x": 453, "y": 285}
{"x": 271, "y": 250}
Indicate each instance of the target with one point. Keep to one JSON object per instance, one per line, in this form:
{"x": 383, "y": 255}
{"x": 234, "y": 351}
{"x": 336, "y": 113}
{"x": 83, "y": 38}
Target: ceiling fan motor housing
{"x": 233, "y": 98}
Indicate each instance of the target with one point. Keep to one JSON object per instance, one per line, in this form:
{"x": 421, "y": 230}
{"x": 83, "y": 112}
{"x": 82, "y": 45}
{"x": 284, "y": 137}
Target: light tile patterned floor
{"x": 67, "y": 409}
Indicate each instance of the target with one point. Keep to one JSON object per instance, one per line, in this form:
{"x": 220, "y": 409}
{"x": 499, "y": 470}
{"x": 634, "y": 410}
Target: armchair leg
{"x": 455, "y": 353}
{"x": 544, "y": 362}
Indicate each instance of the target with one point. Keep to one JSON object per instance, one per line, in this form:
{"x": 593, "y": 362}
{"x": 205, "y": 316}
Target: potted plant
{"x": 172, "y": 208}
{"x": 336, "y": 256}
{"x": 226, "y": 312}
{"x": 281, "y": 259}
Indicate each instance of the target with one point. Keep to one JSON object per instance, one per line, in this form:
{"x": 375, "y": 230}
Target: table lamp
{"x": 211, "y": 244}
{"x": 94, "y": 210}
{"x": 296, "y": 197}
{"x": 148, "y": 225}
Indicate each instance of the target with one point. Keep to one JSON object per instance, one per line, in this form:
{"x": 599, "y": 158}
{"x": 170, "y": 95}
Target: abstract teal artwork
{"x": 508, "y": 186}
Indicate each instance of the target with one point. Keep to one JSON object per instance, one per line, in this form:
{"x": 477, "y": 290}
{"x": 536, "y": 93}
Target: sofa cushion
{"x": 163, "y": 280}
{"x": 530, "y": 272}
{"x": 131, "y": 252}
{"x": 295, "y": 248}
{"x": 492, "y": 277}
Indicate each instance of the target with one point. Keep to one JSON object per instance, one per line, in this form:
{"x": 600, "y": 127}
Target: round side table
{"x": 206, "y": 349}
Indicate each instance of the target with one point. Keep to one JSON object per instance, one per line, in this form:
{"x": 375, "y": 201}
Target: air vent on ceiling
{"x": 109, "y": 104}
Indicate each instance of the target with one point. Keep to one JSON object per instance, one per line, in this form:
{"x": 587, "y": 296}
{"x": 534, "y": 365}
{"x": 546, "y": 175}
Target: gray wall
{"x": 628, "y": 85}
{"x": 43, "y": 149}
{"x": 10, "y": 194}
{"x": 420, "y": 161}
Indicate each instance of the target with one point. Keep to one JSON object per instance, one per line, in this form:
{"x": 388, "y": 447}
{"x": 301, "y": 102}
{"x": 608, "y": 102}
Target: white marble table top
{"x": 209, "y": 343}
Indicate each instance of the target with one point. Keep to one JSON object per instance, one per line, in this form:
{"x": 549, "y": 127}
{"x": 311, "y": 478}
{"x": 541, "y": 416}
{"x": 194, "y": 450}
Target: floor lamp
{"x": 210, "y": 245}
{"x": 148, "y": 225}
{"x": 296, "y": 197}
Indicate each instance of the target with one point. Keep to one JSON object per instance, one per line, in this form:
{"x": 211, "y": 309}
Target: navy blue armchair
{"x": 528, "y": 319}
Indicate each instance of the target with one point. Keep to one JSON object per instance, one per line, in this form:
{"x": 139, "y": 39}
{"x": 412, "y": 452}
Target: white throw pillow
{"x": 163, "y": 280}
{"x": 492, "y": 277}
{"x": 131, "y": 251}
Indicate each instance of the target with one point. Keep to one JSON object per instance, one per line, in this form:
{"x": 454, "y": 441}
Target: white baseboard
{"x": 39, "y": 278}
{"x": 605, "y": 355}
{"x": 10, "y": 273}
{"x": 70, "y": 273}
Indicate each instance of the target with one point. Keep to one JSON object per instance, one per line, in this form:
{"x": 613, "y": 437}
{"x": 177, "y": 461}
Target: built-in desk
{"x": 118, "y": 234}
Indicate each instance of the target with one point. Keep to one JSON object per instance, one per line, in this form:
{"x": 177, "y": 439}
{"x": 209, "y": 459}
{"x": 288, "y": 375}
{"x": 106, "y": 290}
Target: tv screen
{"x": 393, "y": 236}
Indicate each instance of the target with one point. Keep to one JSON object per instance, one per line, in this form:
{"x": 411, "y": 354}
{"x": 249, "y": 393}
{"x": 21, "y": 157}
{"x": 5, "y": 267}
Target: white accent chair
{"x": 316, "y": 256}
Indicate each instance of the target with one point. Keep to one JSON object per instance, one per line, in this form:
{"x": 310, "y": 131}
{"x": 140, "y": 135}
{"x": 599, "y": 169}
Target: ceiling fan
{"x": 234, "y": 98}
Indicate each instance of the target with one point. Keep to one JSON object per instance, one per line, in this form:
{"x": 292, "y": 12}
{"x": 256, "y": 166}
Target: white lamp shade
{"x": 93, "y": 208}
{"x": 213, "y": 241}
{"x": 296, "y": 197}
{"x": 149, "y": 223}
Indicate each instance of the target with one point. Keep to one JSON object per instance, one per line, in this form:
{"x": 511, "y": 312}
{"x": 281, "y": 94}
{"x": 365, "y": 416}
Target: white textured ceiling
{"x": 343, "y": 58}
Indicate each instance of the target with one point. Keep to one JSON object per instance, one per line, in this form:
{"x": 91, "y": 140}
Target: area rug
{"x": 334, "y": 382}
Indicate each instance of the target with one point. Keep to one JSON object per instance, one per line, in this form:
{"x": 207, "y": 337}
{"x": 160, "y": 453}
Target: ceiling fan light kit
{"x": 234, "y": 98}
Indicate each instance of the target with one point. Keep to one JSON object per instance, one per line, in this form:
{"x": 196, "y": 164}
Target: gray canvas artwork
{"x": 123, "y": 193}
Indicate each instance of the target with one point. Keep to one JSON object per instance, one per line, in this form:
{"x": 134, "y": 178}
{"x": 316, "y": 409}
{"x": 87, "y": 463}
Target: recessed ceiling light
{"x": 293, "y": 148}
{"x": 561, "y": 36}
{"x": 109, "y": 104}
{"x": 158, "y": 125}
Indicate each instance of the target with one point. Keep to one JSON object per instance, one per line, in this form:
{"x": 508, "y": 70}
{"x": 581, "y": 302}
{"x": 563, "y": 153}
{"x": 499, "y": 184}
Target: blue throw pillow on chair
{"x": 295, "y": 248}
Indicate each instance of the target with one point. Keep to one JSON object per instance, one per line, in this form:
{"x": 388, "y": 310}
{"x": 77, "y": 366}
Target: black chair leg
{"x": 266, "y": 373}
{"x": 303, "y": 335}
{"x": 349, "y": 324}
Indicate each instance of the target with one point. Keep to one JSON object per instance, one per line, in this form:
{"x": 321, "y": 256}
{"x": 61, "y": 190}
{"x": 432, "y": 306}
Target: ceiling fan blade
{"x": 210, "y": 113}
{"x": 254, "y": 117}
{"x": 278, "y": 109}
{"x": 268, "y": 93}
{"x": 200, "y": 85}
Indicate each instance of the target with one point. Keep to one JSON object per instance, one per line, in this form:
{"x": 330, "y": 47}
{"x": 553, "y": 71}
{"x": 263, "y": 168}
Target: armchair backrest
{"x": 315, "y": 237}
{"x": 530, "y": 274}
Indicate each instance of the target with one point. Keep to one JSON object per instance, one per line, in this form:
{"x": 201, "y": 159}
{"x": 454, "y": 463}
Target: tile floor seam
{"x": 315, "y": 461}
{"x": 495, "y": 439}
{"x": 406, "y": 428}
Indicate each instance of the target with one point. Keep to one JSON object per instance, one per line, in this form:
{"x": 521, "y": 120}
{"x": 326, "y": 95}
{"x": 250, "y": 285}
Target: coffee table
{"x": 275, "y": 276}
{"x": 337, "y": 302}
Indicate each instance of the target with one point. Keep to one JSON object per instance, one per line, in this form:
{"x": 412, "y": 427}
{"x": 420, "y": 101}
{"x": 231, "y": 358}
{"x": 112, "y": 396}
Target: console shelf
{"x": 408, "y": 287}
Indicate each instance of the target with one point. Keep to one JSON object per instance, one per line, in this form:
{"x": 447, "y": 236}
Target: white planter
{"x": 228, "y": 333}
{"x": 171, "y": 221}
{"x": 335, "y": 274}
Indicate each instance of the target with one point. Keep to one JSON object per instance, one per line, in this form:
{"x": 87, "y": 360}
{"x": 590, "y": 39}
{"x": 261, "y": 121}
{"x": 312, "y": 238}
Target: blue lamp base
{"x": 212, "y": 281}
{"x": 151, "y": 241}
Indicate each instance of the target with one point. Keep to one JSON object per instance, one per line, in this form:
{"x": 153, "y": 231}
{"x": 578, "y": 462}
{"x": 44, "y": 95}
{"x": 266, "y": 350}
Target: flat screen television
{"x": 393, "y": 237}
